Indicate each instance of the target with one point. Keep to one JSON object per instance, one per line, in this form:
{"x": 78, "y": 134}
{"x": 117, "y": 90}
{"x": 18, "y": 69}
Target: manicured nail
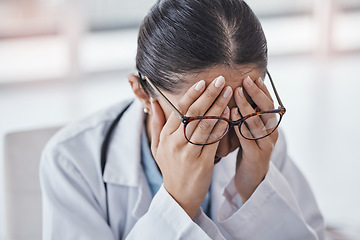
{"x": 249, "y": 81}
{"x": 200, "y": 85}
{"x": 236, "y": 111}
{"x": 227, "y": 92}
{"x": 219, "y": 81}
{"x": 241, "y": 92}
{"x": 260, "y": 81}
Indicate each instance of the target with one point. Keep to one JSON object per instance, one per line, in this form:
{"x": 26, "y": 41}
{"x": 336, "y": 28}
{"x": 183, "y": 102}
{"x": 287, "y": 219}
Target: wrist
{"x": 188, "y": 203}
{"x": 246, "y": 187}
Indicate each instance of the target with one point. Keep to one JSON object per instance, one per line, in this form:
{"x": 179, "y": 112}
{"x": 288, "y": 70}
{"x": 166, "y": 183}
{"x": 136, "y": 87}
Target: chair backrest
{"x": 22, "y": 187}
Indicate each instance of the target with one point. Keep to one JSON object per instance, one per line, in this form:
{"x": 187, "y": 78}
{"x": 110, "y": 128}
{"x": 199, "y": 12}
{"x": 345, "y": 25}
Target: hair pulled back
{"x": 187, "y": 36}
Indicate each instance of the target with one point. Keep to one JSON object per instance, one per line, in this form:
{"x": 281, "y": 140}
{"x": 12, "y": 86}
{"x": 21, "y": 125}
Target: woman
{"x": 215, "y": 178}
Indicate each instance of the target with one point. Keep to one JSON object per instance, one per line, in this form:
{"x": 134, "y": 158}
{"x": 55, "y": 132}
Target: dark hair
{"x": 187, "y": 36}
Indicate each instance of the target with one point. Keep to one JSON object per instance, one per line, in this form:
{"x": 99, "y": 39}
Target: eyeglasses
{"x": 205, "y": 130}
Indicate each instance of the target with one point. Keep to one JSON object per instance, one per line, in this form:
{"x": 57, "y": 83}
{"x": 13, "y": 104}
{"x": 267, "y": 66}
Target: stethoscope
{"x": 104, "y": 150}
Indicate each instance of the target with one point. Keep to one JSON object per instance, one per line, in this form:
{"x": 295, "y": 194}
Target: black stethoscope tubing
{"x": 104, "y": 150}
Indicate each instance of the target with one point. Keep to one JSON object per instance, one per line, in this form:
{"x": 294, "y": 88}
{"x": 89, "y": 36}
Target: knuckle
{"x": 259, "y": 127}
{"x": 269, "y": 148}
{"x": 256, "y": 92}
{"x": 186, "y": 155}
{"x": 257, "y": 122}
{"x": 210, "y": 93}
{"x": 188, "y": 98}
{"x": 175, "y": 148}
{"x": 193, "y": 112}
{"x": 190, "y": 95}
{"x": 181, "y": 108}
{"x": 183, "y": 105}
{"x": 254, "y": 121}
{"x": 204, "y": 125}
{"x": 220, "y": 104}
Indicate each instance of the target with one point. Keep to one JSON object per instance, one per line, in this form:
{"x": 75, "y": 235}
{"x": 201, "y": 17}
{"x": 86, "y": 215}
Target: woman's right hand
{"x": 186, "y": 168}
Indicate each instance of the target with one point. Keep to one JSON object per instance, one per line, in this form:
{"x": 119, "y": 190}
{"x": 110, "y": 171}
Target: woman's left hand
{"x": 254, "y": 158}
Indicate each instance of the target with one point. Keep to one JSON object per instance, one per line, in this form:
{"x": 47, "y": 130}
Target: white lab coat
{"x": 74, "y": 205}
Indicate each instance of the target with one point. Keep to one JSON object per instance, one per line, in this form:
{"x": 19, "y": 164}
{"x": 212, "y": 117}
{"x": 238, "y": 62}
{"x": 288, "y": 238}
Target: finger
{"x": 173, "y": 123}
{"x": 203, "y": 102}
{"x": 221, "y": 127}
{"x": 157, "y": 124}
{"x": 218, "y": 107}
{"x": 212, "y": 148}
{"x": 260, "y": 83}
{"x": 256, "y": 92}
{"x": 252, "y": 127}
{"x": 205, "y": 130}
{"x": 206, "y": 100}
{"x": 245, "y": 143}
{"x": 257, "y": 95}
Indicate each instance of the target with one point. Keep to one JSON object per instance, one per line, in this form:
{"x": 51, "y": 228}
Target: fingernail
{"x": 227, "y": 92}
{"x": 249, "y": 81}
{"x": 226, "y": 110}
{"x": 240, "y": 92}
{"x": 219, "y": 81}
{"x": 260, "y": 81}
{"x": 236, "y": 111}
{"x": 200, "y": 85}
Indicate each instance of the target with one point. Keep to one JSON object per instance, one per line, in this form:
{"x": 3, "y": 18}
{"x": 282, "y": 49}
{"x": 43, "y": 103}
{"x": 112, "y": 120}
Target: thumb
{"x": 157, "y": 123}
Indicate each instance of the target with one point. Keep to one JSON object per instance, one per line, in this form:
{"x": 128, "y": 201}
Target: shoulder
{"x": 82, "y": 139}
{"x": 89, "y": 124}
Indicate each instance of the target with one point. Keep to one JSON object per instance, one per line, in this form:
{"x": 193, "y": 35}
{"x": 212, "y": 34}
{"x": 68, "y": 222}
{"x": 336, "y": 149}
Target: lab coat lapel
{"x": 224, "y": 171}
{"x": 123, "y": 166}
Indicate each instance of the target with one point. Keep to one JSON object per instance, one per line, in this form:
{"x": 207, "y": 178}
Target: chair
{"x": 22, "y": 187}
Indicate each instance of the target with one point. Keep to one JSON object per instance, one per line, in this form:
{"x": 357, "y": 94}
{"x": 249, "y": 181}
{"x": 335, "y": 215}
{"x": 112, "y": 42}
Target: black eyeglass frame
{"x": 186, "y": 120}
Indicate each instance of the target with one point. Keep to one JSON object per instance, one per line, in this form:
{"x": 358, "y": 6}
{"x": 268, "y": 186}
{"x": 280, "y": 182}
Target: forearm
{"x": 166, "y": 219}
{"x": 272, "y": 212}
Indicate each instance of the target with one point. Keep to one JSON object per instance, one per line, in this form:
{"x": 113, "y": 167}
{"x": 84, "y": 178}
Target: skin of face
{"x": 234, "y": 77}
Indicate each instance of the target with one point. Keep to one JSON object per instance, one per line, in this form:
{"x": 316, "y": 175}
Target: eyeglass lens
{"x": 260, "y": 126}
{"x": 208, "y": 131}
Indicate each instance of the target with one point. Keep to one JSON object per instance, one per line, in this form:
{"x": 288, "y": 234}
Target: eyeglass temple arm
{"x": 157, "y": 90}
{"x": 276, "y": 93}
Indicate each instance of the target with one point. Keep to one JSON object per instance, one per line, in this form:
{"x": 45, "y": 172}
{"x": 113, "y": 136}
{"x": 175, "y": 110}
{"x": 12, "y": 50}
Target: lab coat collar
{"x": 123, "y": 165}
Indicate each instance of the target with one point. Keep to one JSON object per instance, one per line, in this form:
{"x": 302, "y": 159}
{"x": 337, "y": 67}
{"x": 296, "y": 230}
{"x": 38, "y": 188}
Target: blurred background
{"x": 62, "y": 60}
